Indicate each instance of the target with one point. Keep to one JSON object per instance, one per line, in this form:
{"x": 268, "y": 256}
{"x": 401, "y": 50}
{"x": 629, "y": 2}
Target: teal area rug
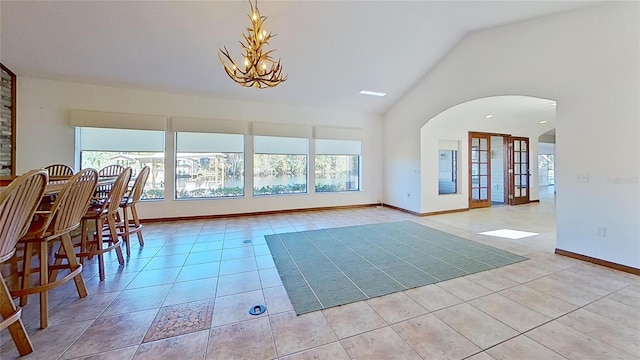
{"x": 331, "y": 267}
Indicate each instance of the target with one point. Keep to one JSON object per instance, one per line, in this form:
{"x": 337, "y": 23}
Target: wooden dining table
{"x": 56, "y": 183}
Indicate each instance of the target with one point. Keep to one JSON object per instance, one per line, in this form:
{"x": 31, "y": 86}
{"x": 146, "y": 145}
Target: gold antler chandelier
{"x": 259, "y": 70}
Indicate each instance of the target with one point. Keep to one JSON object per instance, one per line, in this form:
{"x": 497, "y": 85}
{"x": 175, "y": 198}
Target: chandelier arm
{"x": 245, "y": 39}
{"x": 226, "y": 54}
{"x": 228, "y": 70}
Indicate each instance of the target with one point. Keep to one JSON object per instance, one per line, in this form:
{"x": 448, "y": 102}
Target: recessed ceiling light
{"x": 488, "y": 116}
{"x": 542, "y": 122}
{"x": 374, "y": 93}
{"x": 553, "y": 103}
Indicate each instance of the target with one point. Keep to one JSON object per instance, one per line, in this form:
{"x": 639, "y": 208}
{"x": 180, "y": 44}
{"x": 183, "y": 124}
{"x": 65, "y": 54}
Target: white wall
{"x": 44, "y": 137}
{"x": 587, "y": 60}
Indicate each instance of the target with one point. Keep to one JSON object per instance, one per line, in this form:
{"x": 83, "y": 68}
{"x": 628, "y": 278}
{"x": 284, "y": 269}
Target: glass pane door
{"x": 479, "y": 165}
{"x": 520, "y": 170}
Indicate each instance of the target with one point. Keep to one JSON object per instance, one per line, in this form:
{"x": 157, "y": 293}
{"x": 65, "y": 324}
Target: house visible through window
{"x": 100, "y": 147}
{"x": 209, "y": 165}
{"x": 208, "y": 156}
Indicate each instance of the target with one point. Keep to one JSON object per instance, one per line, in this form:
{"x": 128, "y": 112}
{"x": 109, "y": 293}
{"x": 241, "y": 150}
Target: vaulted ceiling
{"x": 330, "y": 49}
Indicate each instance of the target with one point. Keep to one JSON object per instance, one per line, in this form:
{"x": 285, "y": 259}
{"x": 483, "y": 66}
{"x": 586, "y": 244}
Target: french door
{"x": 515, "y": 160}
{"x": 479, "y": 170}
{"x": 519, "y": 174}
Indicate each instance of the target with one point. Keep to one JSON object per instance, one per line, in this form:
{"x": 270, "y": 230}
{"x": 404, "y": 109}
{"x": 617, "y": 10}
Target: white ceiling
{"x": 330, "y": 49}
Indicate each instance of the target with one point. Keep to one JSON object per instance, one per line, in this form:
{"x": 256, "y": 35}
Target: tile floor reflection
{"x": 187, "y": 292}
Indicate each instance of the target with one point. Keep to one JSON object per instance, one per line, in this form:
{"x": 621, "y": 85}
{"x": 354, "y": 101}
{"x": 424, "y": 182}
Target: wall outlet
{"x": 601, "y": 231}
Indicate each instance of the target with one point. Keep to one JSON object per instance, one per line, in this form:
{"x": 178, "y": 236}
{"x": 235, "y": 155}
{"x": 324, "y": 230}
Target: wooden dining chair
{"x": 18, "y": 203}
{"x": 132, "y": 225}
{"x": 104, "y": 214}
{"x": 56, "y": 224}
{"x": 109, "y": 171}
{"x": 59, "y": 170}
{"x": 56, "y": 172}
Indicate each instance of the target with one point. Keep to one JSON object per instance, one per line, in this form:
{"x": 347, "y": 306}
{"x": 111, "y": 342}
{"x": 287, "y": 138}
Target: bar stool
{"x": 109, "y": 171}
{"x": 56, "y": 224}
{"x": 56, "y": 172}
{"x": 18, "y": 203}
{"x": 104, "y": 212}
{"x": 132, "y": 225}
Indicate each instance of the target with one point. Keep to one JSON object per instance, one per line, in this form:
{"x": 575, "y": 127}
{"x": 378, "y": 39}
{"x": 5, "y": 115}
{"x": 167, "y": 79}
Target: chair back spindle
{"x": 118, "y": 190}
{"x": 111, "y": 170}
{"x": 138, "y": 185}
{"x": 72, "y": 201}
{"x": 59, "y": 170}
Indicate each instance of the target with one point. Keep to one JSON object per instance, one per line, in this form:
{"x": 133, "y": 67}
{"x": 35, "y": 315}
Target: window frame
{"x": 257, "y": 139}
{"x": 339, "y": 148}
{"x": 176, "y": 166}
{"x": 132, "y": 153}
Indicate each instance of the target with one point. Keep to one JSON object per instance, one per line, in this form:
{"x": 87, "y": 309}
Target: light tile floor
{"x": 187, "y": 292}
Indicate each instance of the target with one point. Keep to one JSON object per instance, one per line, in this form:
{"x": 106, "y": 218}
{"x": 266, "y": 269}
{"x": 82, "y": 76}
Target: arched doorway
{"x": 506, "y": 118}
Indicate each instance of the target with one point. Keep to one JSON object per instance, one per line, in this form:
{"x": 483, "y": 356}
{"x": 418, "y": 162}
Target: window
{"x": 546, "y": 169}
{"x": 448, "y": 167}
{"x": 279, "y": 165}
{"x": 337, "y": 165}
{"x": 100, "y": 147}
{"x": 447, "y": 172}
{"x": 209, "y": 165}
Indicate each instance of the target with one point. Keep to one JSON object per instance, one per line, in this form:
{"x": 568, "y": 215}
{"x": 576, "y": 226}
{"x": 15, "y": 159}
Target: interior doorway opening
{"x": 547, "y": 165}
{"x": 499, "y": 171}
{"x": 446, "y": 187}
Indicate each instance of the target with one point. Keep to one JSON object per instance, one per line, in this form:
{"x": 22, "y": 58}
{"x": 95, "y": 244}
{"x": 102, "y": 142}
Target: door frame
{"x": 479, "y": 203}
{"x": 519, "y": 200}
{"x": 507, "y": 169}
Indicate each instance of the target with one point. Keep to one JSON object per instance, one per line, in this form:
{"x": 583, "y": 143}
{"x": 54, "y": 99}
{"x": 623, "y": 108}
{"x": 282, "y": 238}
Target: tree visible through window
{"x": 100, "y": 147}
{"x": 279, "y": 165}
{"x": 209, "y": 165}
{"x": 337, "y": 165}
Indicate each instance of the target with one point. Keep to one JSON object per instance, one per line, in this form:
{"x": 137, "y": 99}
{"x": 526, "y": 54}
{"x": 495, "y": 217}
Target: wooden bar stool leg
{"x": 98, "y": 240}
{"x": 83, "y": 239}
{"x": 111, "y": 222}
{"x": 44, "y": 278}
{"x": 53, "y": 274}
{"x": 73, "y": 264}
{"x": 17, "y": 330}
{"x": 26, "y": 271}
{"x": 125, "y": 230}
{"x": 136, "y": 221}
